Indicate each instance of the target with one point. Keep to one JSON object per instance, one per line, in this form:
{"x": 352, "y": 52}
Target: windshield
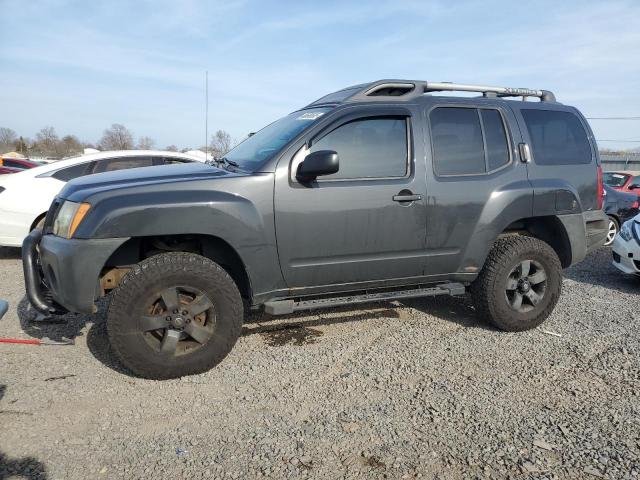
{"x": 615, "y": 179}
{"x": 263, "y": 145}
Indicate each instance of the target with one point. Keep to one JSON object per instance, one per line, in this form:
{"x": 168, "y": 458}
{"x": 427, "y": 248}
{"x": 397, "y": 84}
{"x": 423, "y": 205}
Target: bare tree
{"x": 146, "y": 143}
{"x": 117, "y": 137}
{"x": 221, "y": 143}
{"x": 70, "y": 145}
{"x": 47, "y": 142}
{"x": 7, "y": 139}
{"x": 171, "y": 148}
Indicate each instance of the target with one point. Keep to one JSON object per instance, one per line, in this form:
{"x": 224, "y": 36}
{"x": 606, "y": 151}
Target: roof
{"x": 405, "y": 90}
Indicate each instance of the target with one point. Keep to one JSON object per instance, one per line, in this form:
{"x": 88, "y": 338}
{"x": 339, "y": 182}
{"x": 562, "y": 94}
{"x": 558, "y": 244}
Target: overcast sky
{"x": 80, "y": 66}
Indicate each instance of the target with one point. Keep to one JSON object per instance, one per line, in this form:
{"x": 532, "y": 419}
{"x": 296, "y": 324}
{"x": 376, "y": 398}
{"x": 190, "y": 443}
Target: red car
{"x": 18, "y": 163}
{"x": 7, "y": 170}
{"x": 627, "y": 181}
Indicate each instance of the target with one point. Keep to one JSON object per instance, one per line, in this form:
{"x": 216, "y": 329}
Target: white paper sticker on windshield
{"x": 310, "y": 116}
{"x": 617, "y": 175}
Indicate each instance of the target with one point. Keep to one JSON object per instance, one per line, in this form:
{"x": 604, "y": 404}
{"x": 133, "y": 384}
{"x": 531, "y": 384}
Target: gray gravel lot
{"x": 418, "y": 389}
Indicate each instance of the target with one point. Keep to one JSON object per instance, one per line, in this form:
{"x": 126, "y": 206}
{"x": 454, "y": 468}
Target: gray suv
{"x": 375, "y": 192}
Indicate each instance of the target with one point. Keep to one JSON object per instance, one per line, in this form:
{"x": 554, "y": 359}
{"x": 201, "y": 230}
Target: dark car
{"x": 624, "y": 181}
{"x": 376, "y": 192}
{"x": 619, "y": 207}
{"x": 18, "y": 163}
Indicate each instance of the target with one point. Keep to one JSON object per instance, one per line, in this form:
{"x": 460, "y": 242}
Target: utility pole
{"x": 206, "y": 115}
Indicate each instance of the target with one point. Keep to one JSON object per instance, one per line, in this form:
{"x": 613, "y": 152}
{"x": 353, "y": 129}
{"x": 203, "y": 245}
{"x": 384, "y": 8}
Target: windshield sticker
{"x": 310, "y": 116}
{"x": 617, "y": 175}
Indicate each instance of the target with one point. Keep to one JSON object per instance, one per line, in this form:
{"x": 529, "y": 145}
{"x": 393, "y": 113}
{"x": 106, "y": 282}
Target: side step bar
{"x": 283, "y": 307}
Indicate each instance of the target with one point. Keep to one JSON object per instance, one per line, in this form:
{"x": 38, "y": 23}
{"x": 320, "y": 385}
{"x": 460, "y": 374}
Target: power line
{"x": 613, "y": 118}
{"x": 623, "y": 141}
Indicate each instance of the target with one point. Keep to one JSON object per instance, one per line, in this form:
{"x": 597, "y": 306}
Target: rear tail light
{"x": 634, "y": 205}
{"x": 600, "y": 188}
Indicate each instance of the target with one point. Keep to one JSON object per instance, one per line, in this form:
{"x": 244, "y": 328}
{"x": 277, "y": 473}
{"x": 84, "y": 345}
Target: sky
{"x": 80, "y": 66}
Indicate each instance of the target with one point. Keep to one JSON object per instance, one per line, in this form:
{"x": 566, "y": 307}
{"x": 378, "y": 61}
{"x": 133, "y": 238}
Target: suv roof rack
{"x": 410, "y": 89}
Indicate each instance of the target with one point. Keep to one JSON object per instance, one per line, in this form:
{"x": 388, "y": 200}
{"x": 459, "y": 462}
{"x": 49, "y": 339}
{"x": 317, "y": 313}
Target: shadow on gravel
{"x": 452, "y": 309}
{"x": 597, "y": 270}
{"x": 71, "y": 326}
{"x": 12, "y": 253}
{"x": 25, "y": 467}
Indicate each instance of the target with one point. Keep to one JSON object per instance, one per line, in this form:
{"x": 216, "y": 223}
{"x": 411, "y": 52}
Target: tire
{"x": 505, "y": 277}
{"x": 174, "y": 314}
{"x": 612, "y": 230}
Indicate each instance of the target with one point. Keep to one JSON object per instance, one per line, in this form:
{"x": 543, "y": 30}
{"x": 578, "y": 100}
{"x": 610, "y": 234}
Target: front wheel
{"x": 174, "y": 314}
{"x": 612, "y": 231}
{"x": 519, "y": 285}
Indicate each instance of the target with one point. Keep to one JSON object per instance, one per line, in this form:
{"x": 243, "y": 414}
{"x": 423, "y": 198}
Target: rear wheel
{"x": 519, "y": 285}
{"x": 612, "y": 231}
{"x": 174, "y": 314}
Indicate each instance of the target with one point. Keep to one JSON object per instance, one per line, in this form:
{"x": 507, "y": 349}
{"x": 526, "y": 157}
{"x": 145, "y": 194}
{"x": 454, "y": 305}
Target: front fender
{"x": 238, "y": 211}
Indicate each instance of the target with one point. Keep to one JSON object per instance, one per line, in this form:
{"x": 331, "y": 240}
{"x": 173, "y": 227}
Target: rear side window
{"x": 368, "y": 148}
{"x": 459, "y": 136}
{"x": 123, "y": 163}
{"x": 558, "y": 138}
{"x": 70, "y": 173}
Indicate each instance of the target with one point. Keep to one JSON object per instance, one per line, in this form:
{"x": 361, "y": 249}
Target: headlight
{"x": 68, "y": 218}
{"x": 625, "y": 230}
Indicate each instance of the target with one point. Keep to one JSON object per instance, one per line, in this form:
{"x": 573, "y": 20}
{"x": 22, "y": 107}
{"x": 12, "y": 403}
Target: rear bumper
{"x": 586, "y": 232}
{"x": 14, "y": 227}
{"x": 63, "y": 275}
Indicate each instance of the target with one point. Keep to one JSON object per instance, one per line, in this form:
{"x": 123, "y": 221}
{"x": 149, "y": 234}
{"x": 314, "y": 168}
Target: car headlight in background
{"x": 626, "y": 230}
{"x": 68, "y": 218}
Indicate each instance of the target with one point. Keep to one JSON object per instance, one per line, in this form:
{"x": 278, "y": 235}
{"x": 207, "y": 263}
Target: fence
{"x": 620, "y": 161}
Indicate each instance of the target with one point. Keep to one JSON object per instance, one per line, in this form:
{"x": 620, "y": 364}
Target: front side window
{"x": 13, "y": 164}
{"x": 368, "y": 148}
{"x": 558, "y": 138}
{"x": 123, "y": 163}
{"x": 459, "y": 136}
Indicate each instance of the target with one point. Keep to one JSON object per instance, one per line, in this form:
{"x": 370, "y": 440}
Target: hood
{"x": 83, "y": 187}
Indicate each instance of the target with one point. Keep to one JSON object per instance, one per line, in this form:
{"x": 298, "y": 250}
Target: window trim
{"x": 343, "y": 121}
{"x": 507, "y": 132}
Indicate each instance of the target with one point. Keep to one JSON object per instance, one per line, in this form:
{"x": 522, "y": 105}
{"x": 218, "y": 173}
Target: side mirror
{"x": 634, "y": 186}
{"x": 316, "y": 164}
{"x": 4, "y": 306}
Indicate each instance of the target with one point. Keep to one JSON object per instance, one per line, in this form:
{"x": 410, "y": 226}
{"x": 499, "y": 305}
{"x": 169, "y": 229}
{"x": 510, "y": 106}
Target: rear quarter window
{"x": 557, "y": 138}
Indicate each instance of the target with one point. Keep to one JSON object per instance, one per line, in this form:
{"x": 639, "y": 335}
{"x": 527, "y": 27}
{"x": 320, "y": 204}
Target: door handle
{"x": 410, "y": 197}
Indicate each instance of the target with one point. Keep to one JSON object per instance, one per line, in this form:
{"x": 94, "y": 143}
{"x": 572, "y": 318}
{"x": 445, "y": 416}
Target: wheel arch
{"x": 136, "y": 249}
{"x": 550, "y": 229}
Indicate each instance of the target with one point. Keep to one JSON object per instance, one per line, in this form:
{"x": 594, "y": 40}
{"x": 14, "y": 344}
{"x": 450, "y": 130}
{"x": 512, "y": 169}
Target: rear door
{"x": 476, "y": 183}
{"x": 563, "y": 165}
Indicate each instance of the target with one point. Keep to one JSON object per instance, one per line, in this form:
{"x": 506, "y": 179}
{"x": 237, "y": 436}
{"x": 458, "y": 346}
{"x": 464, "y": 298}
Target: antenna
{"x": 206, "y": 115}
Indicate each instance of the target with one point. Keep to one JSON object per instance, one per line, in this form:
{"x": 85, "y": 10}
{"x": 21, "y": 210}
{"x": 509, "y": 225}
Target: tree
{"x": 221, "y": 143}
{"x": 47, "y": 142}
{"x": 171, "y": 148}
{"x": 7, "y": 139}
{"x": 117, "y": 137}
{"x": 146, "y": 143}
{"x": 70, "y": 145}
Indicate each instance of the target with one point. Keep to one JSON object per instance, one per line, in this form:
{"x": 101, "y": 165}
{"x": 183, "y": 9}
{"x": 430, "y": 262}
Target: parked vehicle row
{"x": 26, "y": 195}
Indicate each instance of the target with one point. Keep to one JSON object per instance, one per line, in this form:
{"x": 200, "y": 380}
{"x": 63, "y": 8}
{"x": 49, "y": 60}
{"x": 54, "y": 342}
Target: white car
{"x": 626, "y": 247}
{"x": 26, "y": 196}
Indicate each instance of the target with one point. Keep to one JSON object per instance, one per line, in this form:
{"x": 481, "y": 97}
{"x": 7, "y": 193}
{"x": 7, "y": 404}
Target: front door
{"x": 367, "y": 221}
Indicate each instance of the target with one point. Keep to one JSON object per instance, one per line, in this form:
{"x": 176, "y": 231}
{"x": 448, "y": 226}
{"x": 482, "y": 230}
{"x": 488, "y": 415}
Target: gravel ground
{"x": 395, "y": 390}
